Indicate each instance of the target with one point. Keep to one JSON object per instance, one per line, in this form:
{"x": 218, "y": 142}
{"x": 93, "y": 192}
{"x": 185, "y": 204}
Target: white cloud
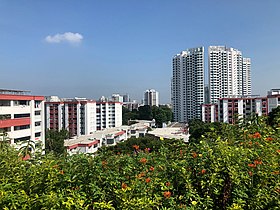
{"x": 74, "y": 38}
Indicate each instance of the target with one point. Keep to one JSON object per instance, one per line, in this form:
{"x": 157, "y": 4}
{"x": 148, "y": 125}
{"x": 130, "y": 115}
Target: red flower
{"x": 148, "y": 180}
{"x": 167, "y": 194}
{"x": 141, "y": 175}
{"x": 152, "y": 168}
{"x": 276, "y": 172}
{"x": 61, "y": 172}
{"x": 143, "y": 160}
{"x": 250, "y": 173}
{"x": 194, "y": 154}
{"x": 135, "y": 147}
{"x": 269, "y": 138}
{"x": 257, "y": 135}
{"x": 124, "y": 186}
{"x": 257, "y": 162}
{"x": 167, "y": 184}
{"x": 252, "y": 165}
{"x": 203, "y": 171}
{"x": 278, "y": 150}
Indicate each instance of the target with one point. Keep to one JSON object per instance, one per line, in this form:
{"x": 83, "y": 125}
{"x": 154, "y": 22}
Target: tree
{"x": 197, "y": 128}
{"x": 128, "y": 115}
{"x": 274, "y": 117}
{"x": 145, "y": 112}
{"x": 4, "y": 140}
{"x": 55, "y": 141}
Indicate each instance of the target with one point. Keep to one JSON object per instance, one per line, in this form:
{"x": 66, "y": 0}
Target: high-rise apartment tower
{"x": 187, "y": 86}
{"x": 229, "y": 73}
{"x": 151, "y": 97}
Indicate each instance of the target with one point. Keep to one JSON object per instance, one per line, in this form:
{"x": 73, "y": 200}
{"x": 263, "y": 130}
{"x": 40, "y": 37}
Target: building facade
{"x": 246, "y": 74}
{"x": 229, "y": 73}
{"x": 81, "y": 116}
{"x": 22, "y": 117}
{"x": 231, "y": 109}
{"x": 151, "y": 97}
{"x": 187, "y": 85}
{"x": 108, "y": 115}
{"x": 78, "y": 116}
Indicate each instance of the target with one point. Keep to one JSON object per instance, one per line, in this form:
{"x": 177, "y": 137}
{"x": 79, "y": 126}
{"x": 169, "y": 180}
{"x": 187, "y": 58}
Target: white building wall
{"x": 226, "y": 73}
{"x": 90, "y": 118}
{"x": 225, "y": 111}
{"x": 188, "y": 84}
{"x": 213, "y": 113}
{"x": 259, "y": 107}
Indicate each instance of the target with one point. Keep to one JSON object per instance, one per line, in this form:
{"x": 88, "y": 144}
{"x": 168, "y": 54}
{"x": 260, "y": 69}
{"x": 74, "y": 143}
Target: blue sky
{"x": 126, "y": 46}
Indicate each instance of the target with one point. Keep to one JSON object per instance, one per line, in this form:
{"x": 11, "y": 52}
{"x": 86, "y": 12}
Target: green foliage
{"x": 230, "y": 167}
{"x": 162, "y": 114}
{"x": 55, "y": 141}
{"x": 145, "y": 113}
{"x": 128, "y": 115}
{"x": 274, "y": 117}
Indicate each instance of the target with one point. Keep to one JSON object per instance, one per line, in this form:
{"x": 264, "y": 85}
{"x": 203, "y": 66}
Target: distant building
{"x": 229, "y": 73}
{"x": 117, "y": 98}
{"x": 209, "y": 113}
{"x": 187, "y": 86}
{"x": 81, "y": 116}
{"x": 133, "y": 105}
{"x": 108, "y": 115}
{"x": 78, "y": 116}
{"x": 230, "y": 109}
{"x": 126, "y": 98}
{"x": 22, "y": 117}
{"x": 151, "y": 97}
{"x": 273, "y": 92}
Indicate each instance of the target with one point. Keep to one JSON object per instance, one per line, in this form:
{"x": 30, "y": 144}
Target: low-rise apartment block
{"x": 22, "y": 117}
{"x": 230, "y": 109}
{"x": 81, "y": 116}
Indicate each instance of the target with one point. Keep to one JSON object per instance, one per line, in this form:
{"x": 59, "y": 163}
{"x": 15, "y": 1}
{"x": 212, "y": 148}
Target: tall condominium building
{"x": 246, "y": 73}
{"x": 151, "y": 97}
{"x": 229, "y": 73}
{"x": 187, "y": 86}
{"x": 21, "y": 117}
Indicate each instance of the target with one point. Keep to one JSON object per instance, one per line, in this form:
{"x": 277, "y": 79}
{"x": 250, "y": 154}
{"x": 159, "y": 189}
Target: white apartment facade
{"x": 22, "y": 117}
{"x": 77, "y": 115}
{"x": 230, "y": 109}
{"x": 108, "y": 115}
{"x": 246, "y": 73}
{"x": 229, "y": 73}
{"x": 187, "y": 84}
{"x": 151, "y": 97}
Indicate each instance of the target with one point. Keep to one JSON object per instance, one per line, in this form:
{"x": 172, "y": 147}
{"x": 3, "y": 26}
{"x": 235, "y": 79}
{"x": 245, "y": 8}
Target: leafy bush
{"x": 230, "y": 167}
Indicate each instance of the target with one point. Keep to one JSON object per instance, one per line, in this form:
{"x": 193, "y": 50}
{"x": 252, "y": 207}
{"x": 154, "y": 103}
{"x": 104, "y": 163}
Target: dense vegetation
{"x": 161, "y": 114}
{"x": 228, "y": 167}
